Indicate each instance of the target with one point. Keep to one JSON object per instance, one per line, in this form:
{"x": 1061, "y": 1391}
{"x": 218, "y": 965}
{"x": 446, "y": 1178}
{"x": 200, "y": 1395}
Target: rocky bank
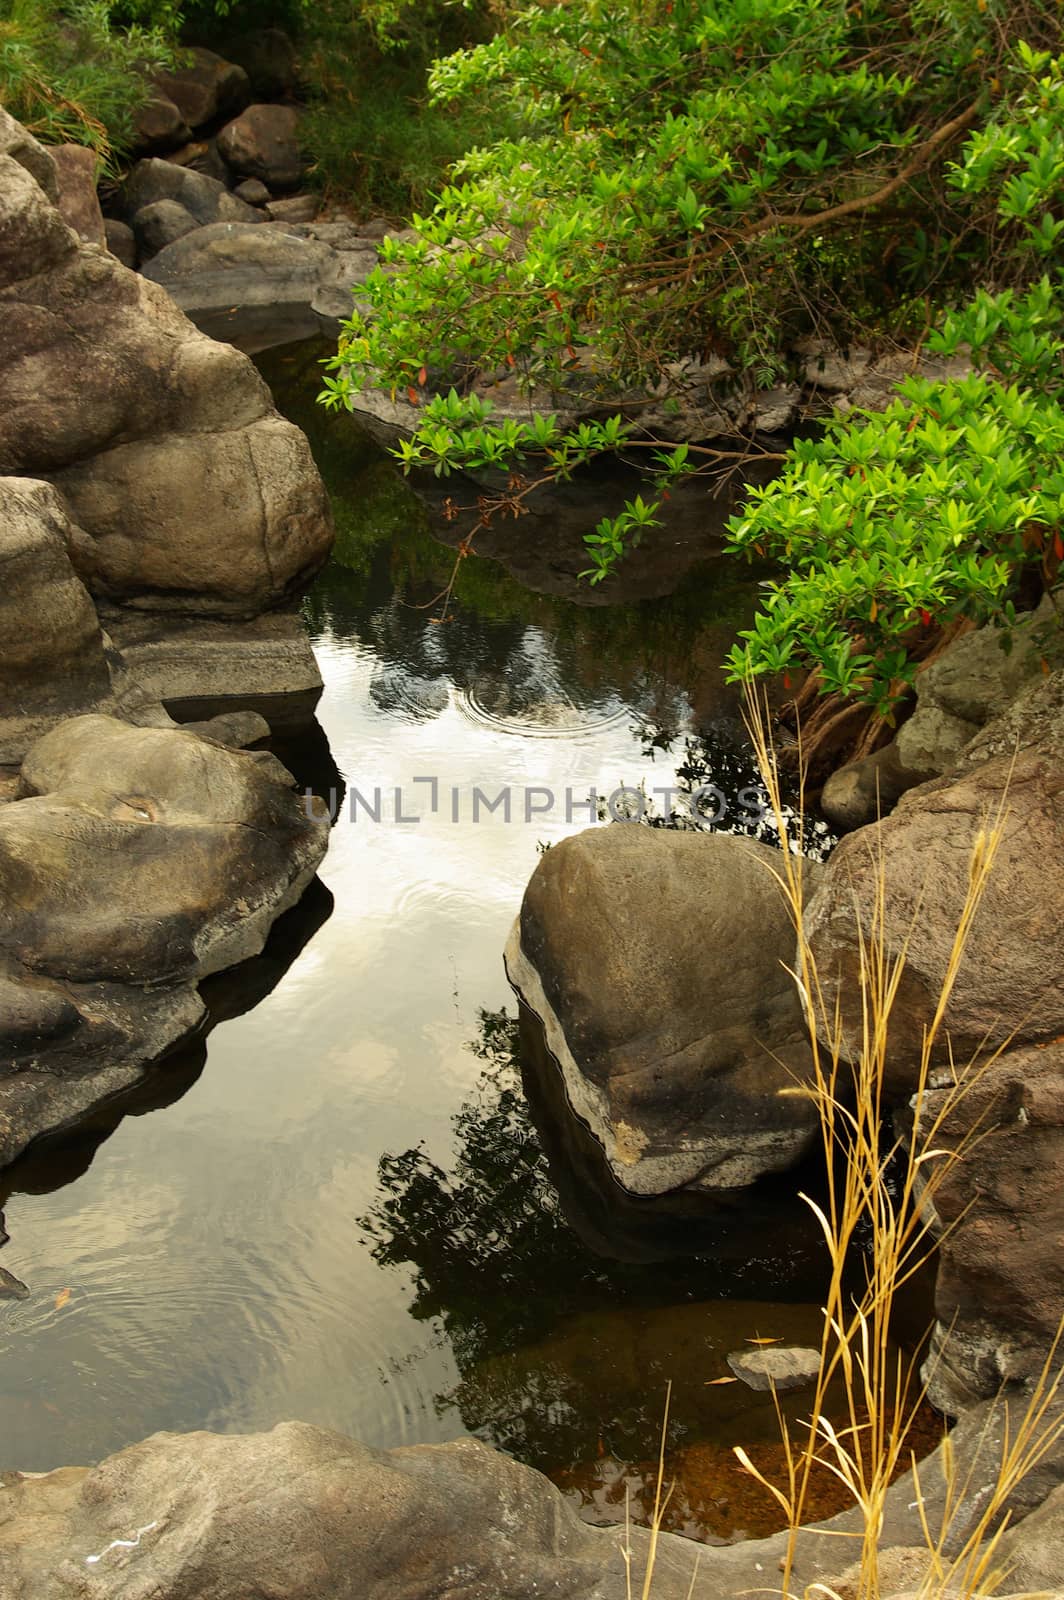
{"x": 158, "y": 521}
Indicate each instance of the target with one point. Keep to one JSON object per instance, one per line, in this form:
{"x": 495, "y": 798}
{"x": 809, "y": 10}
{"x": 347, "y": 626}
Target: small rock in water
{"x": 12, "y": 1288}
{"x": 783, "y": 1367}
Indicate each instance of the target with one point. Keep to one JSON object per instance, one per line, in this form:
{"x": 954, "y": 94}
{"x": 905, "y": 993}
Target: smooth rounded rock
{"x": 657, "y": 961}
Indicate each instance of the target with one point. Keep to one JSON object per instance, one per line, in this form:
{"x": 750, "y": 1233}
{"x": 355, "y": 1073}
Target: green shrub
{"x": 72, "y": 72}
{"x": 710, "y": 167}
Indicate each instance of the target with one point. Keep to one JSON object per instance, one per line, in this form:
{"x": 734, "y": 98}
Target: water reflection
{"x": 564, "y": 1354}
{"x": 216, "y": 1276}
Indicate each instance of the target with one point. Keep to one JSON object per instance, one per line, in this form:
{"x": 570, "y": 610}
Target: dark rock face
{"x": 137, "y": 861}
{"x": 159, "y": 224}
{"x": 999, "y": 1296}
{"x": 121, "y": 241}
{"x": 78, "y": 204}
{"x": 655, "y": 960}
{"x": 1000, "y": 1287}
{"x": 263, "y": 142}
{"x": 206, "y": 88}
{"x": 268, "y": 57}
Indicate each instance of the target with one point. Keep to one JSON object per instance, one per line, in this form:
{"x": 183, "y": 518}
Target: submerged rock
{"x": 656, "y": 961}
{"x": 136, "y": 862}
{"x": 782, "y": 1368}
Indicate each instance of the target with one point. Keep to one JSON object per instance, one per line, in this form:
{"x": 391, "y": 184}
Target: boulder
{"x": 263, "y": 142}
{"x": 168, "y": 443}
{"x": 78, "y": 204}
{"x": 158, "y": 125}
{"x": 303, "y": 1513}
{"x": 252, "y": 191}
{"x": 253, "y": 286}
{"x": 1007, "y": 987}
{"x": 52, "y": 658}
{"x": 655, "y": 961}
{"x": 137, "y": 861}
{"x": 294, "y": 208}
{"x": 999, "y": 1211}
{"x": 248, "y": 502}
{"x": 268, "y": 56}
{"x": 121, "y": 241}
{"x": 22, "y": 148}
{"x": 205, "y": 198}
{"x": 157, "y": 225}
{"x": 205, "y": 88}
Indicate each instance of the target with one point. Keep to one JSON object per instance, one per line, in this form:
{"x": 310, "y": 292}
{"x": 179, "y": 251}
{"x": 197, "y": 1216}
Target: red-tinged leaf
{"x": 411, "y": 395}
{"x": 665, "y": 495}
{"x": 786, "y": 680}
{"x": 423, "y": 376}
{"x": 1058, "y": 547}
{"x": 510, "y": 362}
{"x": 925, "y": 617}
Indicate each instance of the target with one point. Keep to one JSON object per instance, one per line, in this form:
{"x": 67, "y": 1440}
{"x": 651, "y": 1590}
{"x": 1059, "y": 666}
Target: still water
{"x": 336, "y": 1207}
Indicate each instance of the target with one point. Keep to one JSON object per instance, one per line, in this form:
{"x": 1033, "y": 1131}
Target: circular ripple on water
{"x": 553, "y": 717}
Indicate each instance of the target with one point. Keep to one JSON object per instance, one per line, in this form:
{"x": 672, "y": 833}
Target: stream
{"x": 337, "y": 1206}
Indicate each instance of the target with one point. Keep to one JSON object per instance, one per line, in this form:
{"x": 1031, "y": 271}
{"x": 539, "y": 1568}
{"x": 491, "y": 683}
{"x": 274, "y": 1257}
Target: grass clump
{"x": 876, "y": 1220}
{"x": 75, "y": 73}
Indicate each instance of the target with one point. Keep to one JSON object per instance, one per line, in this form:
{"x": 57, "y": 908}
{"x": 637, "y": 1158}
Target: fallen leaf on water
{"x": 711, "y": 1383}
{"x": 764, "y": 1341}
{"x": 61, "y": 1299}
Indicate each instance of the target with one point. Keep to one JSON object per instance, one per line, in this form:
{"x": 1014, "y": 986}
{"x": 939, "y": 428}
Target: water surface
{"x": 337, "y": 1208}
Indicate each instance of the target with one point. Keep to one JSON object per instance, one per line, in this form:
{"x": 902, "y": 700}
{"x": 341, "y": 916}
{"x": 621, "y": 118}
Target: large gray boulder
{"x": 168, "y": 444}
{"x": 657, "y": 963}
{"x": 137, "y": 861}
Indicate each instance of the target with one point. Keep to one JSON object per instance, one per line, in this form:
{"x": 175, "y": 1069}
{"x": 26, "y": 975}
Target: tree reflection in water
{"x": 564, "y": 1353}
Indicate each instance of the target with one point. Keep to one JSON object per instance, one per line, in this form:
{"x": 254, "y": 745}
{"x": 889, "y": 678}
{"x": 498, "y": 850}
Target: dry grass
{"x": 875, "y": 1218}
